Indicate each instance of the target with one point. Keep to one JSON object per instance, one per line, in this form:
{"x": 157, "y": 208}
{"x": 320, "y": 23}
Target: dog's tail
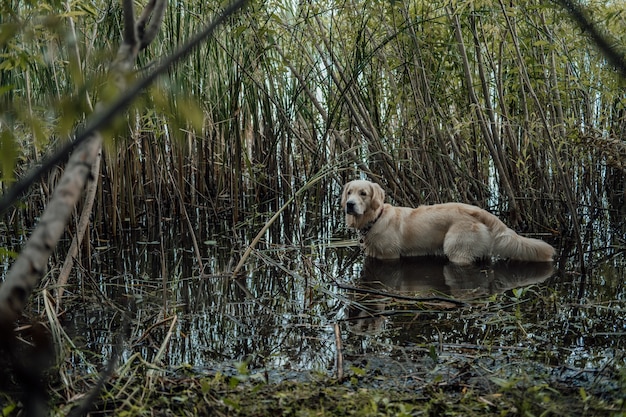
{"x": 509, "y": 245}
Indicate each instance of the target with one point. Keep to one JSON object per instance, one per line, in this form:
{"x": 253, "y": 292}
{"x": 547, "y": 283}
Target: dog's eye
{"x": 363, "y": 193}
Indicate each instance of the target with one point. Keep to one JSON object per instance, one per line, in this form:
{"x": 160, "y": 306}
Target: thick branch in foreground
{"x": 30, "y": 266}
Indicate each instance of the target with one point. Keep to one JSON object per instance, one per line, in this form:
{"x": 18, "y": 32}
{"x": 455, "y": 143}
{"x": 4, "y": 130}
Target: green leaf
{"x": 7, "y": 32}
{"x": 7, "y": 410}
{"x": 358, "y": 371}
{"x": 432, "y": 352}
{"x": 8, "y": 155}
{"x": 189, "y": 111}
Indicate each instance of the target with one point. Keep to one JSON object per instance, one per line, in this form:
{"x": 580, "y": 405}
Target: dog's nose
{"x": 350, "y": 207}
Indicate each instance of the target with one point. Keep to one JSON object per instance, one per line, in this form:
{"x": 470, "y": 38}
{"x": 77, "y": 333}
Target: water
{"x": 279, "y": 315}
{"x": 406, "y": 322}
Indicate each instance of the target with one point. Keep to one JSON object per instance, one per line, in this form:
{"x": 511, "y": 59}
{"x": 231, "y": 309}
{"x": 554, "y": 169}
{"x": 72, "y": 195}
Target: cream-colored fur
{"x": 462, "y": 232}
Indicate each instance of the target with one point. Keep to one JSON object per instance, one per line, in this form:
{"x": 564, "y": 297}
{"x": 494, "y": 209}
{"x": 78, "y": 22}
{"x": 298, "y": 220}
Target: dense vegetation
{"x": 508, "y": 106}
{"x": 477, "y": 101}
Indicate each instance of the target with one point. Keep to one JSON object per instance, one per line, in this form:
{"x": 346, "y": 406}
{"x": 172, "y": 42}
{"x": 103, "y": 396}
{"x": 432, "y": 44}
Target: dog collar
{"x": 365, "y": 230}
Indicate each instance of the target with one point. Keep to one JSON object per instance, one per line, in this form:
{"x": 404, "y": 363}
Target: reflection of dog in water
{"x": 426, "y": 276}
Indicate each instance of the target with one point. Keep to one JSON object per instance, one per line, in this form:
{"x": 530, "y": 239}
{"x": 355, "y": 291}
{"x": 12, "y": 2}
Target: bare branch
{"x": 602, "y": 40}
{"x": 31, "y": 265}
{"x": 130, "y": 30}
{"x": 152, "y": 13}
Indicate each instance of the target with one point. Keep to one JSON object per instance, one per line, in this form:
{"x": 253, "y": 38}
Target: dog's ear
{"x": 378, "y": 196}
{"x": 343, "y": 195}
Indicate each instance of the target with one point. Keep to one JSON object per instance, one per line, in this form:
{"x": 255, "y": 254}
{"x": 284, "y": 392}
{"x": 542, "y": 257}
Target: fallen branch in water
{"x": 400, "y": 296}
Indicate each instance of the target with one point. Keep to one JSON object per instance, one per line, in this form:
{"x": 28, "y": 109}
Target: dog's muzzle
{"x": 351, "y": 208}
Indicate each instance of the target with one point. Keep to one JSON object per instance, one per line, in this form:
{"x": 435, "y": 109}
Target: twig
{"x": 147, "y": 32}
{"x": 400, "y": 296}
{"x": 271, "y": 221}
{"x": 152, "y": 372}
{"x": 192, "y": 234}
{"x": 389, "y": 313}
{"x": 154, "y": 326}
{"x": 339, "y": 355}
{"x": 87, "y": 403}
{"x": 602, "y": 41}
{"x": 166, "y": 340}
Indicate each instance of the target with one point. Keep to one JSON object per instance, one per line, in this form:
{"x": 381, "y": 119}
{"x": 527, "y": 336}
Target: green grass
{"x": 196, "y": 395}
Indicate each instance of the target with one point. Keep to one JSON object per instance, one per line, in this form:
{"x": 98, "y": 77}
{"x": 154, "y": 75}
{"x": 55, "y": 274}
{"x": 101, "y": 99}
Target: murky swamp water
{"x": 281, "y": 315}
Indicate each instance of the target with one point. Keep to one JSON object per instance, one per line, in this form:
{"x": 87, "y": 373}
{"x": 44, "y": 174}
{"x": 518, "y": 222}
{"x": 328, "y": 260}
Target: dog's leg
{"x": 466, "y": 242}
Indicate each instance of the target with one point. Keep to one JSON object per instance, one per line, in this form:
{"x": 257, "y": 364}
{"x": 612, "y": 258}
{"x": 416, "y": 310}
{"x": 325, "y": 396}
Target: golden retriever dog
{"x": 462, "y": 232}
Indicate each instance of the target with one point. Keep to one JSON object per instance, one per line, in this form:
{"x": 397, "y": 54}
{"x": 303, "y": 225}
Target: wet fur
{"x": 462, "y": 232}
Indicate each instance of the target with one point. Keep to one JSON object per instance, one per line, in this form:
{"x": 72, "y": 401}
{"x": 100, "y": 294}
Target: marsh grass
{"x": 437, "y": 103}
{"x": 248, "y": 395}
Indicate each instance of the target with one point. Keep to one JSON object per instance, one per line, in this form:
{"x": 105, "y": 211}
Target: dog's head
{"x": 361, "y": 201}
